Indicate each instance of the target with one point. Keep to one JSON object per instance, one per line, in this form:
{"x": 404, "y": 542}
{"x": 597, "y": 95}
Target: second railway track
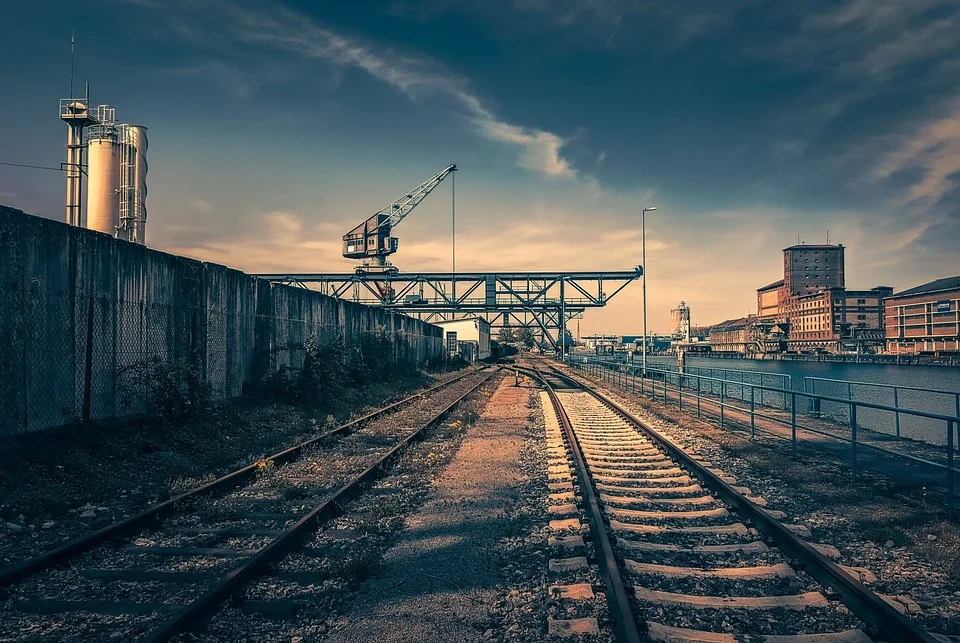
{"x": 685, "y": 553}
{"x": 165, "y": 571}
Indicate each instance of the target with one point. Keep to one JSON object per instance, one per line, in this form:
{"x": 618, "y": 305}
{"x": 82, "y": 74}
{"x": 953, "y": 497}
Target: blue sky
{"x": 276, "y": 127}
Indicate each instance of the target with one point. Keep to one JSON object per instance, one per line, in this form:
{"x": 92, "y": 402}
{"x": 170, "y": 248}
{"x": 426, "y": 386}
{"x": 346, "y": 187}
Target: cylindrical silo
{"x": 103, "y": 180}
{"x": 133, "y": 182}
{"x": 138, "y": 134}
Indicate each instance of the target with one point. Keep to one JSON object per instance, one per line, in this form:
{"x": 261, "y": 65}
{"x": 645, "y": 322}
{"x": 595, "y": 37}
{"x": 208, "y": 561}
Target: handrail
{"x": 878, "y": 384}
{"x": 827, "y": 398}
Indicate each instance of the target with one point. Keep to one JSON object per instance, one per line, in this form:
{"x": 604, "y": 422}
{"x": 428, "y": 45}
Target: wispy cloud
{"x": 415, "y": 75}
{"x": 934, "y": 151}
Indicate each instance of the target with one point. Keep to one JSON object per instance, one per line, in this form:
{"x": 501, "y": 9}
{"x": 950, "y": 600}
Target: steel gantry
{"x": 542, "y": 301}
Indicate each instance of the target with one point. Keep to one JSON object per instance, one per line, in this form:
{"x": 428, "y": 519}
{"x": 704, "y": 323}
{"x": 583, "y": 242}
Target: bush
{"x": 171, "y": 391}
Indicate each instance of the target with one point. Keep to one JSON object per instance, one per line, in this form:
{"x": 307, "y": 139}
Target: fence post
{"x": 951, "y": 501}
{"x": 680, "y": 391}
{"x": 793, "y": 423}
{"x": 664, "y": 387}
{"x": 853, "y": 435}
{"x": 88, "y": 367}
{"x": 753, "y": 421}
{"x": 722, "y": 389}
{"x": 698, "y": 398}
{"x": 896, "y": 405}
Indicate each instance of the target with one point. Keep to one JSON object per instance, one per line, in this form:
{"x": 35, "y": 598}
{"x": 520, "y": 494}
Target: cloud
{"x": 201, "y": 206}
{"x": 933, "y": 150}
{"x": 415, "y": 75}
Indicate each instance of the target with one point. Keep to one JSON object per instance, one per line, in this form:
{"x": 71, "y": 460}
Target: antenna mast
{"x": 73, "y": 42}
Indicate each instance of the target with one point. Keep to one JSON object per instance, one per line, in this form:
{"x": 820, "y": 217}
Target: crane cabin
{"x": 372, "y": 241}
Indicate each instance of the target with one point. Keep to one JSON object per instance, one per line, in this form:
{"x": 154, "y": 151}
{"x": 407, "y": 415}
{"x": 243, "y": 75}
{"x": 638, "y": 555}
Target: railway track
{"x": 683, "y": 552}
{"x": 165, "y": 571}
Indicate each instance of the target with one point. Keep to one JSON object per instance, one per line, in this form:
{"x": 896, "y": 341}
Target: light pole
{"x": 643, "y": 262}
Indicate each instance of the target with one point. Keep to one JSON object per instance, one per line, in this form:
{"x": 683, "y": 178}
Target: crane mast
{"x": 372, "y": 240}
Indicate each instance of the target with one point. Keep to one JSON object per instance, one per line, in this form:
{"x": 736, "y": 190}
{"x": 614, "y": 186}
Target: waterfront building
{"x": 837, "y": 320}
{"x": 810, "y": 309}
{"x": 734, "y": 336}
{"x": 924, "y": 319}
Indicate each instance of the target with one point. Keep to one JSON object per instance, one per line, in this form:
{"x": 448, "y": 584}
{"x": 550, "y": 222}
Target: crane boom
{"x": 372, "y": 240}
{"x": 399, "y": 209}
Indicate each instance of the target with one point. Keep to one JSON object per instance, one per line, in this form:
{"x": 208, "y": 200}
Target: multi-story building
{"x": 809, "y": 269}
{"x": 734, "y": 336}
{"x": 837, "y": 320}
{"x": 812, "y": 306}
{"x": 924, "y": 319}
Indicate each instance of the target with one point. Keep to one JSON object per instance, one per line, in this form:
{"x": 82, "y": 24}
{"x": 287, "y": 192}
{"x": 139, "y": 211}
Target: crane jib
{"x": 371, "y": 240}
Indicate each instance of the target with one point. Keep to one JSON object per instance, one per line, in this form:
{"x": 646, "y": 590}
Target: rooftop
{"x": 815, "y": 246}
{"x": 946, "y": 283}
{"x": 775, "y": 284}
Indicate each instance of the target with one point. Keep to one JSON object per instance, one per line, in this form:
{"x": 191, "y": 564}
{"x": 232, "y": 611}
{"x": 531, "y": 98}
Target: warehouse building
{"x": 924, "y": 319}
{"x": 469, "y": 338}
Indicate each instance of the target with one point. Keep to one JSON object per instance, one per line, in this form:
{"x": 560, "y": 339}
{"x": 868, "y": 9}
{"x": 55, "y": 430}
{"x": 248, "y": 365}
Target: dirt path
{"x": 441, "y": 581}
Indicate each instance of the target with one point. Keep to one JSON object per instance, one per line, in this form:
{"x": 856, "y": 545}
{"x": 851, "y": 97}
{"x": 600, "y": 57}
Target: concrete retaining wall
{"x": 81, "y": 312}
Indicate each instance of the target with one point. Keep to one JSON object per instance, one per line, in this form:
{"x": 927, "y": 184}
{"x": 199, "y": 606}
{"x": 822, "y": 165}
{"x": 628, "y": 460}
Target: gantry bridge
{"x": 541, "y": 301}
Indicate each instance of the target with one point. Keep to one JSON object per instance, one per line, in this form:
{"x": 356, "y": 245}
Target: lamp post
{"x": 643, "y": 262}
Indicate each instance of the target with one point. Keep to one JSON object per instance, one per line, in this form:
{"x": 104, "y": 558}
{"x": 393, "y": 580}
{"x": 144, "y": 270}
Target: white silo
{"x": 103, "y": 179}
{"x": 133, "y": 183}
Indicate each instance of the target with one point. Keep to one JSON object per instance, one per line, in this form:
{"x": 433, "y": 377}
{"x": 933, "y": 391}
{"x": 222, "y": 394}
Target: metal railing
{"x": 810, "y": 385}
{"x": 669, "y": 385}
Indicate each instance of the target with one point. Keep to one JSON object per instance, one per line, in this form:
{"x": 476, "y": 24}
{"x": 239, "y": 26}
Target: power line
{"x": 36, "y": 167}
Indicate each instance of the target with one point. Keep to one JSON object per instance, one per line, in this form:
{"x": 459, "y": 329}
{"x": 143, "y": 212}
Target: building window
{"x": 861, "y": 316}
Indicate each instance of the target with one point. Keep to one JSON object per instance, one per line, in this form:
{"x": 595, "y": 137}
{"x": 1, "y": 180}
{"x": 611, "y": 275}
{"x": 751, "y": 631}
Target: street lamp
{"x": 643, "y": 262}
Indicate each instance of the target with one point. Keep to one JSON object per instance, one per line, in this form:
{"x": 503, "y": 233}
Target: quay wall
{"x": 82, "y": 315}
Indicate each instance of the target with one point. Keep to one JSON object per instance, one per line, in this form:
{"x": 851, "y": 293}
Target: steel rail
{"x": 196, "y": 613}
{"x": 855, "y": 595}
{"x": 158, "y": 512}
{"x": 625, "y": 626}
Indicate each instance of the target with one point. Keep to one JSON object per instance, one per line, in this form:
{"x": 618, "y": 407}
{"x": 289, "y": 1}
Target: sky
{"x": 275, "y": 127}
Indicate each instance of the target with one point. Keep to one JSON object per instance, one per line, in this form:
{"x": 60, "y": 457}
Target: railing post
{"x": 664, "y": 387}
{"x": 680, "y": 391}
{"x": 793, "y": 423}
{"x": 896, "y": 405}
{"x": 853, "y": 441}
{"x": 722, "y": 389}
{"x": 698, "y": 398}
{"x": 753, "y": 421}
{"x": 951, "y": 501}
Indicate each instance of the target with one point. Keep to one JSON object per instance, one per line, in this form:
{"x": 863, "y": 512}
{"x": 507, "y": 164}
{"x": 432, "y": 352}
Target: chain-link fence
{"x": 92, "y": 328}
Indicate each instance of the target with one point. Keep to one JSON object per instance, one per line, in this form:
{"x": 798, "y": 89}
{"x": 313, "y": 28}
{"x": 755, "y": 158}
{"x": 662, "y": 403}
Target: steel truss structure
{"x": 542, "y": 301}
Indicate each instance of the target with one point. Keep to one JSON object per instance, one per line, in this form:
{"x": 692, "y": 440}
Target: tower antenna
{"x": 73, "y": 42}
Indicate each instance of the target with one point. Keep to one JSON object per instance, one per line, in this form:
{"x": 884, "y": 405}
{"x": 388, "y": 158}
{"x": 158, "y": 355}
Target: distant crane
{"x": 372, "y": 242}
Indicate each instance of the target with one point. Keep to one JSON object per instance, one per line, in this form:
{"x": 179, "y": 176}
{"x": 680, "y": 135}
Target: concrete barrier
{"x": 80, "y": 311}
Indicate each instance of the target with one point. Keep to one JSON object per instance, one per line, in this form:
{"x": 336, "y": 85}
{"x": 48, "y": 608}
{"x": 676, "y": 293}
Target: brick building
{"x": 924, "y": 319}
{"x": 812, "y": 306}
{"x": 734, "y": 336}
{"x": 837, "y": 320}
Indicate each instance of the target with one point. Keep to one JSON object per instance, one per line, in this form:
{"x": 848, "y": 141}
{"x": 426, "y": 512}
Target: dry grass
{"x": 42, "y": 475}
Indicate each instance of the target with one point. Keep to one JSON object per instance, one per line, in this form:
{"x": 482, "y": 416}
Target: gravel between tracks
{"x": 60, "y": 485}
{"x": 327, "y": 467}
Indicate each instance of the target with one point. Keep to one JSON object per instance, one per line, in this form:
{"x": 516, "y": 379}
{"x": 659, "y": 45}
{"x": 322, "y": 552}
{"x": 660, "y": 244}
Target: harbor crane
{"x": 372, "y": 240}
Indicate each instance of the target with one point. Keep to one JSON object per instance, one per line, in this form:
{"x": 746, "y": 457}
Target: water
{"x": 913, "y": 427}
